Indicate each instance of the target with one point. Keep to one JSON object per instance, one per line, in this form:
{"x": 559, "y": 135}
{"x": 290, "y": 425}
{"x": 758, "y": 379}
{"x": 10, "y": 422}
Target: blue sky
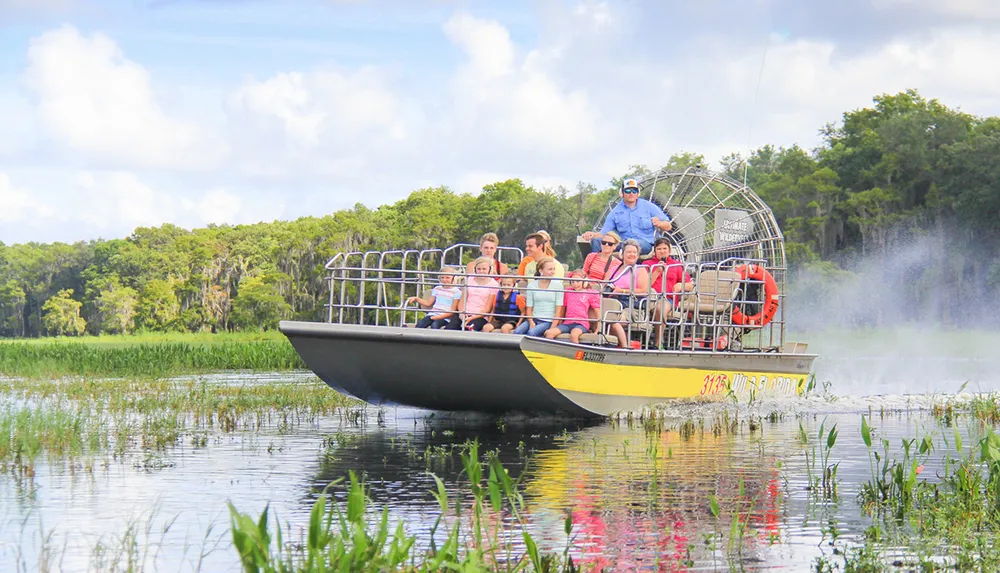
{"x": 138, "y": 112}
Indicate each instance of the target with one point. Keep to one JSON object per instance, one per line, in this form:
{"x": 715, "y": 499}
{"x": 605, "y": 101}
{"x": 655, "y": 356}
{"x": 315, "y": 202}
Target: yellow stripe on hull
{"x": 662, "y": 382}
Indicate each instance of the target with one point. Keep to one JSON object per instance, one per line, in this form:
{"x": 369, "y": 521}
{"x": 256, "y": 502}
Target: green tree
{"x": 429, "y": 217}
{"x": 61, "y": 315}
{"x": 12, "y": 301}
{"x": 116, "y": 305}
{"x": 215, "y": 311}
{"x": 884, "y": 175}
{"x": 258, "y": 305}
{"x": 493, "y": 211}
{"x": 892, "y": 154}
{"x": 158, "y": 306}
{"x": 685, "y": 159}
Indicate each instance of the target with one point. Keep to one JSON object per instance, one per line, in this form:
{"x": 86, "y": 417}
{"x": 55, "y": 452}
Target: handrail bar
{"x": 390, "y": 268}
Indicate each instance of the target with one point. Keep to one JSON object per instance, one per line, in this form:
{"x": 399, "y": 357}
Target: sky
{"x": 126, "y": 113}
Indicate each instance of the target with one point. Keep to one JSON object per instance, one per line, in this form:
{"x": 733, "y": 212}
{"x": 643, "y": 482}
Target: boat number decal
{"x": 713, "y": 383}
{"x": 787, "y": 384}
{"x": 590, "y": 356}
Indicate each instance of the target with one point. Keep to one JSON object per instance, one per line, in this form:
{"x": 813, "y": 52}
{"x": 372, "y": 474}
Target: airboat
{"x": 724, "y": 338}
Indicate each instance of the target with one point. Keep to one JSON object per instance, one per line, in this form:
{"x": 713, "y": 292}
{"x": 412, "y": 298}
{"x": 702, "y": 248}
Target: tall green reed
{"x": 894, "y": 484}
{"x": 145, "y": 359}
{"x": 343, "y": 537}
{"x": 819, "y": 452}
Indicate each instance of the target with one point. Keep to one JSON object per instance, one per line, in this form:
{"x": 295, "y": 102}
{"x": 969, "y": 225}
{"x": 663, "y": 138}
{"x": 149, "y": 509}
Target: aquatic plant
{"x": 74, "y": 418}
{"x": 947, "y": 520}
{"x": 26, "y": 432}
{"x": 221, "y": 403}
{"x": 984, "y": 407}
{"x": 342, "y": 538}
{"x": 893, "y": 483}
{"x": 819, "y": 452}
{"x": 157, "y": 359}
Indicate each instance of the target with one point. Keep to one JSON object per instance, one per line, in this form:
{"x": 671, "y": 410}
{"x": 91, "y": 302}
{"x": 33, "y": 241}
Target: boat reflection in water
{"x": 638, "y": 499}
{"x": 642, "y": 500}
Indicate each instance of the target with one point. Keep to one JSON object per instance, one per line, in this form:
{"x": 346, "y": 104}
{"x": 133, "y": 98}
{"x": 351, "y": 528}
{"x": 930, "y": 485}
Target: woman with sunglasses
{"x": 630, "y": 286}
{"x": 599, "y": 266}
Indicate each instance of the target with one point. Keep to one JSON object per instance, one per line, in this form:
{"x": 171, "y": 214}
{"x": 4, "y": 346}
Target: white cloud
{"x": 17, "y": 128}
{"x": 964, "y": 8}
{"x": 487, "y": 45}
{"x": 36, "y": 6}
{"x": 507, "y": 99}
{"x": 809, "y": 83}
{"x": 113, "y": 203}
{"x": 314, "y": 106}
{"x": 324, "y": 125}
{"x": 121, "y": 201}
{"x": 93, "y": 100}
{"x": 18, "y": 204}
{"x": 583, "y": 102}
{"x": 597, "y": 12}
{"x": 219, "y": 206}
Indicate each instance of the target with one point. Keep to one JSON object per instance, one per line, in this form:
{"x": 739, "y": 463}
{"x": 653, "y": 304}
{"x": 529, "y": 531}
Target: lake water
{"x": 638, "y": 500}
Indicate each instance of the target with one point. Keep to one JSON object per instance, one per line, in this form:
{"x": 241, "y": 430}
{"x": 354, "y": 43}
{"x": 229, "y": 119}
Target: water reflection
{"x": 640, "y": 496}
{"x": 637, "y": 498}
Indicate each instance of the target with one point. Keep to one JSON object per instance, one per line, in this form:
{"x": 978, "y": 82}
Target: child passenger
{"x": 480, "y": 294}
{"x": 443, "y": 302}
{"x": 507, "y": 313}
{"x": 543, "y": 301}
{"x": 582, "y": 305}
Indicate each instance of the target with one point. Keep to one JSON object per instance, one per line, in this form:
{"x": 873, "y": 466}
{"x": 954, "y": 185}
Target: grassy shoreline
{"x": 152, "y": 337}
{"x": 147, "y": 355}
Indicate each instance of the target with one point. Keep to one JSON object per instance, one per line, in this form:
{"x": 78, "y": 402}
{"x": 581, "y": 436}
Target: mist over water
{"x": 913, "y": 321}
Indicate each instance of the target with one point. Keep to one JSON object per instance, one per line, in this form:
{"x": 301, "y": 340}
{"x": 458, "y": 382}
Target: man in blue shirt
{"x": 633, "y": 218}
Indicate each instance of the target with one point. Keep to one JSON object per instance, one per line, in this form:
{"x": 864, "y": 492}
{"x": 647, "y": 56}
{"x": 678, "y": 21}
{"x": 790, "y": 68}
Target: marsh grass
{"x": 139, "y": 545}
{"x": 942, "y": 520}
{"x": 27, "y": 432}
{"x": 145, "y": 358}
{"x": 986, "y": 408}
{"x": 74, "y": 418}
{"x": 153, "y": 337}
{"x": 982, "y": 407}
{"x": 229, "y": 406}
{"x": 351, "y": 537}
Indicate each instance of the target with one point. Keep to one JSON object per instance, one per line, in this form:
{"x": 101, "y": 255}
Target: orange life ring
{"x": 771, "y": 298}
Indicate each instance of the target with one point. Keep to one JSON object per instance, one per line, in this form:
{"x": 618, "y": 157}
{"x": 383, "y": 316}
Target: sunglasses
{"x": 631, "y": 191}
{"x": 609, "y": 243}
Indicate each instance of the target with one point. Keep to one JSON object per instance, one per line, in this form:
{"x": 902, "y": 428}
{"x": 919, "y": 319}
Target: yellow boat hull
{"x": 498, "y": 373}
{"x": 610, "y": 380}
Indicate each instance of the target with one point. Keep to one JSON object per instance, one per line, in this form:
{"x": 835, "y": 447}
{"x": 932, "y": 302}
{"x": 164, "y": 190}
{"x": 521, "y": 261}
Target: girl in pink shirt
{"x": 480, "y": 295}
{"x": 582, "y": 305}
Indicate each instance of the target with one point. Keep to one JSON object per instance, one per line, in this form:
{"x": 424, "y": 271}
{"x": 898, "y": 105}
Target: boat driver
{"x": 632, "y": 218}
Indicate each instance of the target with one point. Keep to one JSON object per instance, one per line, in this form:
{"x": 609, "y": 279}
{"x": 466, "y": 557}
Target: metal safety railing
{"x": 373, "y": 287}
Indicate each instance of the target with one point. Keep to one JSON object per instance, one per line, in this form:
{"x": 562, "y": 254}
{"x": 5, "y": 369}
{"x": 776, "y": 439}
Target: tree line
{"x": 905, "y": 169}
